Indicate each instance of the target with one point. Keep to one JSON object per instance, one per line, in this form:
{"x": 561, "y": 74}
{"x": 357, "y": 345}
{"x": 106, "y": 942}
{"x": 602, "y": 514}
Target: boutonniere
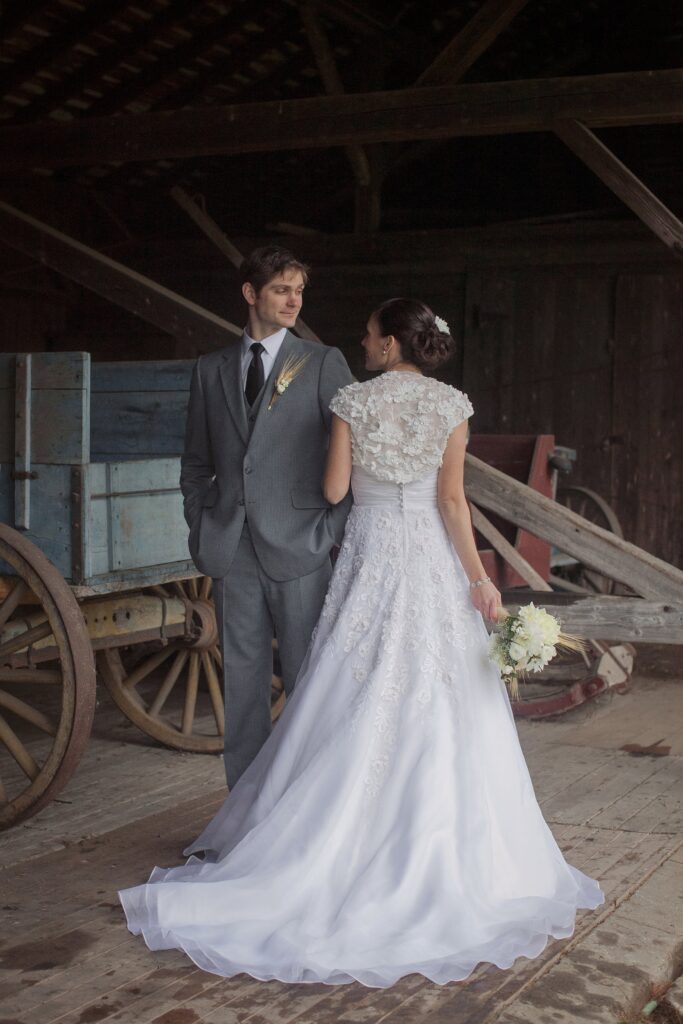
{"x": 291, "y": 368}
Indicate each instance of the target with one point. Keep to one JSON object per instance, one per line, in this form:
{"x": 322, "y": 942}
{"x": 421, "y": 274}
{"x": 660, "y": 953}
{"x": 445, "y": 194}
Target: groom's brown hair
{"x": 266, "y": 262}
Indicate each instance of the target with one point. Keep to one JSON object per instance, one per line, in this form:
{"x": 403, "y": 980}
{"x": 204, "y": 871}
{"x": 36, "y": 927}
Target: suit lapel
{"x": 290, "y": 345}
{"x": 231, "y": 378}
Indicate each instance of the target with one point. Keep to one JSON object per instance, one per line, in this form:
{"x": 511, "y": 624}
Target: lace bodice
{"x": 400, "y": 423}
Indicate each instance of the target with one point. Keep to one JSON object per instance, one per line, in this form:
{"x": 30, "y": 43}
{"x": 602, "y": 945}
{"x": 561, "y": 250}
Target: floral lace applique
{"x": 400, "y": 423}
{"x": 400, "y": 612}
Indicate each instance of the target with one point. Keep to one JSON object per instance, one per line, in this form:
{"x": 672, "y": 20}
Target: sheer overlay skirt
{"x": 389, "y": 825}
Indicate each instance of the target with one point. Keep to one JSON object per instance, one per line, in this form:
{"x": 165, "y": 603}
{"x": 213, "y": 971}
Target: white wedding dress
{"x": 389, "y": 824}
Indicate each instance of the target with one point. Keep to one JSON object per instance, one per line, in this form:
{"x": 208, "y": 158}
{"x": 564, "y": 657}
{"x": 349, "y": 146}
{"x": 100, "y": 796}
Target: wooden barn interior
{"x": 514, "y": 164}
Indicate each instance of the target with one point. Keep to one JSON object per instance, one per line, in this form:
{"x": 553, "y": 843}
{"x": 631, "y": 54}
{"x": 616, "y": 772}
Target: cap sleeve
{"x": 458, "y": 409}
{"x": 342, "y": 404}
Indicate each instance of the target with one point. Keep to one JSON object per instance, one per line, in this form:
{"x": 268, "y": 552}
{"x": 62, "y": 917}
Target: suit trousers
{"x": 250, "y": 609}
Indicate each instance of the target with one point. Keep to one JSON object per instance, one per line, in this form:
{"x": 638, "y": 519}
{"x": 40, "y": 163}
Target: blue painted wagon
{"x": 94, "y": 568}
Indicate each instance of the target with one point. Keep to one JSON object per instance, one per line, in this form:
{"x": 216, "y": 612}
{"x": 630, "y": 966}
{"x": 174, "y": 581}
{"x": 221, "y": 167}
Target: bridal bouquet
{"x": 527, "y": 642}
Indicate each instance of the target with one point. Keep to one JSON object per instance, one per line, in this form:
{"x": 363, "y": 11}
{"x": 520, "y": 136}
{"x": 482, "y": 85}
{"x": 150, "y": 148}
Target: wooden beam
{"x": 610, "y": 618}
{"x": 623, "y": 182}
{"x": 489, "y": 108}
{"x": 507, "y": 550}
{"x": 648, "y": 576}
{"x": 492, "y": 18}
{"x": 222, "y": 242}
{"x": 185, "y": 320}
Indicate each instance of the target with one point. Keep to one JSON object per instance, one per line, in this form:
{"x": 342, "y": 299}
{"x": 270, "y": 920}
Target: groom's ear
{"x": 249, "y": 292}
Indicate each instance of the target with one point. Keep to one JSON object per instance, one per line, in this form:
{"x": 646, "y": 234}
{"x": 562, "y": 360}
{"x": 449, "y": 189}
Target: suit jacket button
{"x": 247, "y": 469}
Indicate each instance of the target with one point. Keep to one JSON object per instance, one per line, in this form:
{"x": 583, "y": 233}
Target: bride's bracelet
{"x": 479, "y": 583}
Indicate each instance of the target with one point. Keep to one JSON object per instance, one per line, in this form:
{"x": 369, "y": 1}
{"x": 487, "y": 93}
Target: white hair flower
{"x": 441, "y": 324}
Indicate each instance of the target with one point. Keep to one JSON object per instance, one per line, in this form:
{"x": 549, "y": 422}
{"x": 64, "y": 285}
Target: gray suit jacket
{"x": 269, "y": 471}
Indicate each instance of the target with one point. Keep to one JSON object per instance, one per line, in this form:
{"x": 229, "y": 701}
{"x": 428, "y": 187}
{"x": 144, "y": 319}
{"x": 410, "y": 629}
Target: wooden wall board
{"x": 647, "y": 453}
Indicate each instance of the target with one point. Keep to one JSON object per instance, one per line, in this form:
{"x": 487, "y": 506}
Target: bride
{"x": 389, "y": 824}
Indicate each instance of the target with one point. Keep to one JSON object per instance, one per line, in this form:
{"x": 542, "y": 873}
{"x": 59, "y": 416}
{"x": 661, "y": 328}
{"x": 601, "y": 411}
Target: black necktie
{"x": 254, "y": 373}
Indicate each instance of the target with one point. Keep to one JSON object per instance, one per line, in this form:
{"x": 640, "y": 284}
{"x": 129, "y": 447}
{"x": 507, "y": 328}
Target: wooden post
{"x": 623, "y": 182}
{"x": 222, "y": 242}
{"x": 191, "y": 324}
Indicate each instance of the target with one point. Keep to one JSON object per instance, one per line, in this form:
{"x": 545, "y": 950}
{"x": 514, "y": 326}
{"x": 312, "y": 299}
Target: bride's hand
{"x": 487, "y": 600}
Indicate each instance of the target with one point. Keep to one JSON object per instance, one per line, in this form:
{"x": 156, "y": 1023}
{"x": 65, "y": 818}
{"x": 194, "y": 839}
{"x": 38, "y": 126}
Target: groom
{"x": 251, "y": 476}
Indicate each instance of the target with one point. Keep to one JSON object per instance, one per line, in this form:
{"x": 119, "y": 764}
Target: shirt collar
{"x": 271, "y": 343}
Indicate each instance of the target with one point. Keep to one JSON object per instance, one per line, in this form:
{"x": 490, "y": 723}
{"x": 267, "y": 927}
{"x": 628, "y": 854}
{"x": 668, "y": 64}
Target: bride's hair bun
{"x": 413, "y": 325}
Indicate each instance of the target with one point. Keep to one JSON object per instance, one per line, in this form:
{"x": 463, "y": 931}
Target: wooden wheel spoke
{"x": 193, "y": 588}
{"x": 31, "y": 675}
{"x": 17, "y": 749}
{"x": 214, "y": 691}
{"x": 169, "y": 682}
{"x": 191, "y": 694}
{"x": 205, "y": 589}
{"x": 217, "y": 656}
{"x": 3, "y": 793}
{"x": 147, "y": 666}
{"x": 23, "y": 710}
{"x": 12, "y": 601}
{"x": 25, "y": 639}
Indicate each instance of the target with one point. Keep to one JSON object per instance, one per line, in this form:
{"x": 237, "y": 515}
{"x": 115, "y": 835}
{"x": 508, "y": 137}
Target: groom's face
{"x": 278, "y": 303}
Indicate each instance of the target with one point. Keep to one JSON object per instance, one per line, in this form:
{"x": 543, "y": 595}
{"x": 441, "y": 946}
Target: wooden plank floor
{"x": 66, "y": 956}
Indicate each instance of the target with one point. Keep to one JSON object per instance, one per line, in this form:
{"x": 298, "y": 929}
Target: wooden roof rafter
{"x": 20, "y": 13}
{"x": 200, "y": 42}
{"x": 92, "y": 69}
{"x": 74, "y": 31}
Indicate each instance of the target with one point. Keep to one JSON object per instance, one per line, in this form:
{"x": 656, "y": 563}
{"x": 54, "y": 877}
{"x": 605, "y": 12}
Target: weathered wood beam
{"x": 623, "y": 182}
{"x": 488, "y": 108}
{"x": 492, "y": 18}
{"x": 507, "y": 550}
{"x": 185, "y": 320}
{"x": 610, "y": 618}
{"x": 212, "y": 231}
{"x": 648, "y": 576}
{"x": 74, "y": 30}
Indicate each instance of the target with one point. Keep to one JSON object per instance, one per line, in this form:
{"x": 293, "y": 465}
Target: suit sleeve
{"x": 196, "y": 463}
{"x": 334, "y": 374}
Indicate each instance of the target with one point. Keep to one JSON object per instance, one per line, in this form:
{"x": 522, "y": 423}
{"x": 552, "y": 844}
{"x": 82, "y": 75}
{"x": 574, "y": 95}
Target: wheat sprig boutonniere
{"x": 291, "y": 368}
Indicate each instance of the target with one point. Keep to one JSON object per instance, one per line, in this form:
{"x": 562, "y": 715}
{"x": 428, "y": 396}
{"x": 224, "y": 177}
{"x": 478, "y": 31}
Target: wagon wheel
{"x": 595, "y": 509}
{"x": 47, "y": 680}
{"x": 174, "y": 692}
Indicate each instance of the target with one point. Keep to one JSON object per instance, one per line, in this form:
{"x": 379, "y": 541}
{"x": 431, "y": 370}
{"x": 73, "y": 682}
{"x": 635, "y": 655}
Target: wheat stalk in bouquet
{"x": 526, "y": 642}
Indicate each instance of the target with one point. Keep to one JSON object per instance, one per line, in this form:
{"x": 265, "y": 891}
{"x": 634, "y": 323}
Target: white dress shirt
{"x": 271, "y": 345}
